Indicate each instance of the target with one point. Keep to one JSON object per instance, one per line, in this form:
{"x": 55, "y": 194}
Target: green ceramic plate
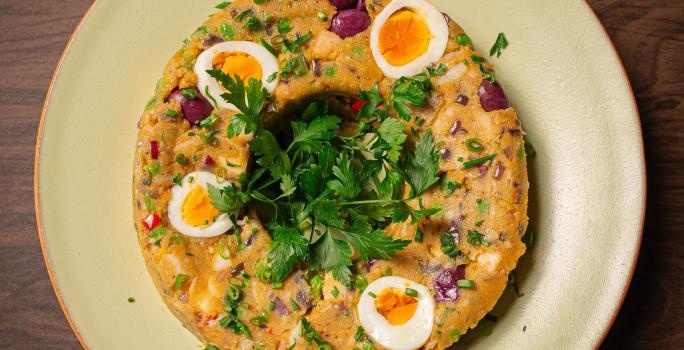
{"x": 560, "y": 72}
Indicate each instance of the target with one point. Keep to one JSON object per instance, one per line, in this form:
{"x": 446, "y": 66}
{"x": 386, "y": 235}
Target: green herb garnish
{"x": 499, "y": 45}
{"x": 475, "y": 238}
{"x": 462, "y": 39}
{"x": 411, "y": 292}
{"x": 465, "y": 283}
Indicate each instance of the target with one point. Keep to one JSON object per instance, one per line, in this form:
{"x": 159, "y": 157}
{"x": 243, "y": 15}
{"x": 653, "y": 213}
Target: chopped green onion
{"x": 479, "y": 161}
{"x": 322, "y": 16}
{"x": 209, "y": 120}
{"x": 154, "y": 168}
{"x": 179, "y": 280}
{"x": 190, "y": 94}
{"x": 294, "y": 305}
{"x": 223, "y": 250}
{"x": 283, "y": 26}
{"x": 474, "y": 145}
{"x": 335, "y": 292}
{"x": 222, "y": 6}
{"x": 465, "y": 283}
{"x": 258, "y": 320}
{"x": 227, "y": 31}
{"x": 360, "y": 282}
{"x": 131, "y": 299}
{"x": 477, "y": 59}
{"x": 171, "y": 113}
{"x": 259, "y": 2}
{"x": 316, "y": 286}
{"x": 268, "y": 47}
{"x": 373, "y": 295}
{"x": 149, "y": 203}
{"x": 359, "y": 334}
{"x": 411, "y": 292}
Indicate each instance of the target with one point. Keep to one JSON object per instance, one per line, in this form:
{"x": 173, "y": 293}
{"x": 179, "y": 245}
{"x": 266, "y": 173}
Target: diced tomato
{"x": 151, "y": 221}
{"x": 356, "y": 107}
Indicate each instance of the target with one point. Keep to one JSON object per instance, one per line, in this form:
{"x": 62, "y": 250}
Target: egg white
{"x": 222, "y": 222}
{"x": 268, "y": 62}
{"x": 409, "y": 336}
{"x": 438, "y": 42}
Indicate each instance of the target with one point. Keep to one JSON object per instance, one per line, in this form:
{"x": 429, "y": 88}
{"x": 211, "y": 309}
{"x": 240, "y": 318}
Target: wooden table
{"x": 649, "y": 35}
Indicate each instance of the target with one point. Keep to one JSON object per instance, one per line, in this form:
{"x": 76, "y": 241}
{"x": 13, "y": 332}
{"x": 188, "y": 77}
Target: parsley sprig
{"x": 325, "y": 195}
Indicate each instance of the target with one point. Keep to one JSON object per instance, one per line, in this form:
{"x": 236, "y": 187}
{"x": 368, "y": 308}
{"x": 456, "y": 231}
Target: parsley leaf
{"x": 227, "y": 199}
{"x": 333, "y": 255}
{"x": 421, "y": 166}
{"x": 288, "y": 247}
{"x": 310, "y": 137}
{"x": 437, "y": 72}
{"x": 346, "y": 185}
{"x": 392, "y": 133}
{"x": 475, "y": 238}
{"x": 248, "y": 100}
{"x": 413, "y": 90}
{"x": 369, "y": 243}
{"x": 499, "y": 45}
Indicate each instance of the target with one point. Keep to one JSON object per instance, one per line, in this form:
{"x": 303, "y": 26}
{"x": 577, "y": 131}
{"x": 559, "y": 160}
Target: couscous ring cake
{"x": 329, "y": 174}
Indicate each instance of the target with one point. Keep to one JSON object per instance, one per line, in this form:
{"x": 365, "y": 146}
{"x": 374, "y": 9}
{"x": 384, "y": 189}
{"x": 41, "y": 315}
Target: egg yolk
{"x": 404, "y": 37}
{"x": 395, "y": 306}
{"x": 240, "y": 63}
{"x": 197, "y": 208}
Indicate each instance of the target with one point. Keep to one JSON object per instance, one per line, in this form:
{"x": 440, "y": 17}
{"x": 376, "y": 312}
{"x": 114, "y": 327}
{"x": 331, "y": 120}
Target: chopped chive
{"x": 373, "y": 295}
{"x": 154, "y": 168}
{"x": 359, "y": 334}
{"x": 465, "y": 283}
{"x": 223, "y": 250}
{"x": 209, "y": 120}
{"x": 179, "y": 280}
{"x": 131, "y": 299}
{"x": 360, "y": 283}
{"x": 335, "y": 292}
{"x": 479, "y": 161}
{"x": 268, "y": 47}
{"x": 149, "y": 203}
{"x": 223, "y": 5}
{"x": 477, "y": 59}
{"x": 411, "y": 292}
{"x": 474, "y": 145}
{"x": 294, "y": 305}
{"x": 190, "y": 94}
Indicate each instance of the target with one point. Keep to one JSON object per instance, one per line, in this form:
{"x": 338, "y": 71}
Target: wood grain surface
{"x": 648, "y": 34}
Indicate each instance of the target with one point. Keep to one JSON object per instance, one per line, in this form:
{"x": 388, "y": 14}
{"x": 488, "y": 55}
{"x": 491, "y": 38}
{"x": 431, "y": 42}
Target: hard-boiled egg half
{"x": 190, "y": 210}
{"x": 407, "y": 36}
{"x": 244, "y": 58}
{"x": 397, "y": 313}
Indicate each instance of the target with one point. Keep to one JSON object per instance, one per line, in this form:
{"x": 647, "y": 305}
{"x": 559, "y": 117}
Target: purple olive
{"x": 446, "y": 284}
{"x": 492, "y": 96}
{"x": 350, "y": 22}
{"x": 194, "y": 110}
{"x": 344, "y": 4}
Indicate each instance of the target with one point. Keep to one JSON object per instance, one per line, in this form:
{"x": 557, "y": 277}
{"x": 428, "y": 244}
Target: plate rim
{"x": 36, "y": 190}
